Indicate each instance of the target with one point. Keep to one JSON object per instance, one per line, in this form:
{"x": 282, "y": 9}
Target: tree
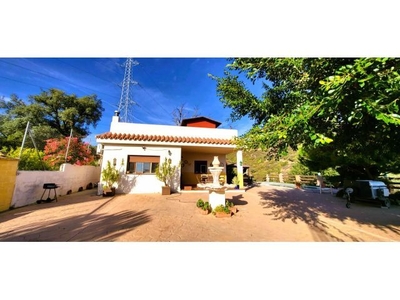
{"x": 79, "y": 153}
{"x": 52, "y": 114}
{"x": 181, "y": 112}
{"x": 346, "y": 108}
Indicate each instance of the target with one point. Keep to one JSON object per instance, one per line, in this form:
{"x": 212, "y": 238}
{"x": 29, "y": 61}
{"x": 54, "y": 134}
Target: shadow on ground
{"x": 79, "y": 197}
{"x": 297, "y": 205}
{"x": 236, "y": 200}
{"x": 89, "y": 227}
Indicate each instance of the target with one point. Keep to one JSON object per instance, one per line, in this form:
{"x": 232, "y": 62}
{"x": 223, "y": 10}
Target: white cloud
{"x": 4, "y": 97}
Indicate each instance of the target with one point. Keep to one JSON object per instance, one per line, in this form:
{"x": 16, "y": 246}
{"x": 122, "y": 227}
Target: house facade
{"x": 137, "y": 149}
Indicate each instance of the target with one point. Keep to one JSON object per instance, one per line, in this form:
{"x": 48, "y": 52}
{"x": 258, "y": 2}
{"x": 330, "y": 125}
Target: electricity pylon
{"x": 126, "y": 102}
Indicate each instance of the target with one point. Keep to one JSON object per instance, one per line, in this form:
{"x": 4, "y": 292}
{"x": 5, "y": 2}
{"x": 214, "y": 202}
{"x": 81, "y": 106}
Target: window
{"x": 200, "y": 166}
{"x": 138, "y": 164}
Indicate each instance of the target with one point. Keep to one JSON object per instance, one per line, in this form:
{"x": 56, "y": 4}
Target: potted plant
{"x": 203, "y": 207}
{"x": 110, "y": 175}
{"x": 164, "y": 173}
{"x": 222, "y": 211}
{"x": 231, "y": 206}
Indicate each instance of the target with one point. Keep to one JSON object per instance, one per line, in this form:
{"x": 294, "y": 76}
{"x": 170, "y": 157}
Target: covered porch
{"x": 196, "y": 160}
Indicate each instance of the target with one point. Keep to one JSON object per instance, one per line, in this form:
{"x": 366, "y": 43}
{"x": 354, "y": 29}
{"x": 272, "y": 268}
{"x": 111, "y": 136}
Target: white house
{"x": 137, "y": 149}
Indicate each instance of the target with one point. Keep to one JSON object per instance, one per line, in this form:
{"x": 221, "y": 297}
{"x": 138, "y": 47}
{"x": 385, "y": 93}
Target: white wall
{"x": 29, "y": 184}
{"x": 190, "y": 157}
{"x": 171, "y": 130}
{"x": 144, "y": 183}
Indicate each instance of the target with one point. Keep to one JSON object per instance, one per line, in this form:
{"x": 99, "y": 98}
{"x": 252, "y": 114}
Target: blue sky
{"x": 162, "y": 84}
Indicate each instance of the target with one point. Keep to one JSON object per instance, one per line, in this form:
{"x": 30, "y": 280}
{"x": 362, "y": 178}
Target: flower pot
{"x": 109, "y": 192}
{"x": 165, "y": 190}
{"x": 222, "y": 214}
{"x": 203, "y": 212}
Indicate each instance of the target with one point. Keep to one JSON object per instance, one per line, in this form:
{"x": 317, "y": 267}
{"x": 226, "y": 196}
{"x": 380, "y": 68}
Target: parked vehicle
{"x": 366, "y": 190}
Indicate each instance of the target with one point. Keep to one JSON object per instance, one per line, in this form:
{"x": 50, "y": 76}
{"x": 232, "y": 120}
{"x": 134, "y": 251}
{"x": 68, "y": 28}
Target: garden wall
{"x": 8, "y": 174}
{"x": 29, "y": 184}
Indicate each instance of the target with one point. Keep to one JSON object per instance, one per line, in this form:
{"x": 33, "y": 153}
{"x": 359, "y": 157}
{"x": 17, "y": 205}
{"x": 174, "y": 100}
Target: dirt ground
{"x": 265, "y": 214}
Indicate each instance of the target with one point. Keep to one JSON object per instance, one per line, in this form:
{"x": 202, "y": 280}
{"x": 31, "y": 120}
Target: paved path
{"x": 266, "y": 214}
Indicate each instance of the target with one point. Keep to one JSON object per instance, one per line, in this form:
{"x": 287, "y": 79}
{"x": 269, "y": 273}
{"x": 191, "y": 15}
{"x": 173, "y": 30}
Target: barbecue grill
{"x": 48, "y": 187}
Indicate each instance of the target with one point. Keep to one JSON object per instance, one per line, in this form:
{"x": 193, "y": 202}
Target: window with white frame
{"x": 139, "y": 164}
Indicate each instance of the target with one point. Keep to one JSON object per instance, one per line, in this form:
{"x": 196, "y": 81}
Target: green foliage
{"x": 235, "y": 180}
{"x": 229, "y": 204}
{"x": 52, "y": 114}
{"x": 110, "y": 175}
{"x": 206, "y": 206}
{"x": 30, "y": 160}
{"x": 203, "y": 205}
{"x": 330, "y": 172}
{"x": 221, "y": 208}
{"x": 260, "y": 165}
{"x": 300, "y": 169}
{"x": 200, "y": 203}
{"x": 165, "y": 171}
{"x": 346, "y": 109}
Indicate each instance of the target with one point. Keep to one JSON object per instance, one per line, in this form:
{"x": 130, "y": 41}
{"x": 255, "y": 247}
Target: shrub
{"x": 222, "y": 208}
{"x": 200, "y": 203}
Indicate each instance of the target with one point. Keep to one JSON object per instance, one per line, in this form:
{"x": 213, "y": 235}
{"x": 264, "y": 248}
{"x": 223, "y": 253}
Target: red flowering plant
{"x": 79, "y": 153}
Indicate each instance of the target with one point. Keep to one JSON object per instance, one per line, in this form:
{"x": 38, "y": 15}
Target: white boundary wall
{"x": 29, "y": 184}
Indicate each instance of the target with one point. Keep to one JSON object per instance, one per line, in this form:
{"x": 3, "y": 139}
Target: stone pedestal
{"x": 216, "y": 197}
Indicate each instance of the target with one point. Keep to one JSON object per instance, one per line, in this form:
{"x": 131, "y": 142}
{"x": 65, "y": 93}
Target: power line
{"x": 154, "y": 99}
{"x": 108, "y": 67}
{"x": 156, "y": 87}
{"x": 106, "y": 80}
{"x": 33, "y": 71}
{"x": 41, "y": 87}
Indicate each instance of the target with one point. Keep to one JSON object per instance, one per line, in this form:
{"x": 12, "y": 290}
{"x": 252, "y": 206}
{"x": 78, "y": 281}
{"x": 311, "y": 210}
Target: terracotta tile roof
{"x": 162, "y": 138}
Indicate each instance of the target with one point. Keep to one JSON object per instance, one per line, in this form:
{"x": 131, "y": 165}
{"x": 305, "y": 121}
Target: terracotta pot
{"x": 203, "y": 212}
{"x": 165, "y": 190}
{"x": 222, "y": 214}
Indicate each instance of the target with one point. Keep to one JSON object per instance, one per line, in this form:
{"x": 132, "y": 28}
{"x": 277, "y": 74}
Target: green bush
{"x": 222, "y": 208}
{"x": 200, "y": 203}
{"x": 30, "y": 160}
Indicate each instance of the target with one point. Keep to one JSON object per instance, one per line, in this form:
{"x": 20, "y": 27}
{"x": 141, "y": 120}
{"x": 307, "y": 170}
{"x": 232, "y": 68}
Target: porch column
{"x": 239, "y": 164}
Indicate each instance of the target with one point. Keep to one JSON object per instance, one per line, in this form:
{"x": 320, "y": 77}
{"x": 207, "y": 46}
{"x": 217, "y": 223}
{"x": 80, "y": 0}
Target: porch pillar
{"x": 239, "y": 168}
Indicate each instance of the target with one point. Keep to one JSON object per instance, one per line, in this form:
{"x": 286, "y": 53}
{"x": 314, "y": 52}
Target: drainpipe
{"x": 239, "y": 168}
